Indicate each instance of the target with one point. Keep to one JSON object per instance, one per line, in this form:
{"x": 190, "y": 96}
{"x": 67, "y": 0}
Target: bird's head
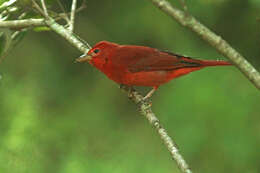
{"x": 99, "y": 54}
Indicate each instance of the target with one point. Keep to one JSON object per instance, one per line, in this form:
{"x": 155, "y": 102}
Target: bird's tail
{"x": 206, "y": 63}
{"x": 187, "y": 65}
{"x": 190, "y": 62}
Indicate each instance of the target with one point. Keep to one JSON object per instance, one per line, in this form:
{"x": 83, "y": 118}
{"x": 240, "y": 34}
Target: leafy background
{"x": 62, "y": 117}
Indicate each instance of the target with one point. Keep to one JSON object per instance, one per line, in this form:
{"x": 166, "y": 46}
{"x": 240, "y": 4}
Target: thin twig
{"x": 82, "y": 6}
{"x": 22, "y": 16}
{"x": 38, "y": 8}
{"x": 64, "y": 14}
{"x": 216, "y": 41}
{"x": 44, "y": 7}
{"x": 72, "y": 15}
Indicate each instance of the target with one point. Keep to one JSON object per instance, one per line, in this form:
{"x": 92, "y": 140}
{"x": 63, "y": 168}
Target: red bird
{"x": 142, "y": 66}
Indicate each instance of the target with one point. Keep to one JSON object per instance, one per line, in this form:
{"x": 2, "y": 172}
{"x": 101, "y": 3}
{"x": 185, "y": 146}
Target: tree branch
{"x": 23, "y": 23}
{"x": 144, "y": 106}
{"x": 214, "y": 40}
{"x": 145, "y": 110}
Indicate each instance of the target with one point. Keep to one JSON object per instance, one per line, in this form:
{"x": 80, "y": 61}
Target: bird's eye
{"x": 96, "y": 50}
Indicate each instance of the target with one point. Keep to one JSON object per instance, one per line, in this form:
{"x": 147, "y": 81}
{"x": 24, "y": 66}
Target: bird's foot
{"x": 150, "y": 93}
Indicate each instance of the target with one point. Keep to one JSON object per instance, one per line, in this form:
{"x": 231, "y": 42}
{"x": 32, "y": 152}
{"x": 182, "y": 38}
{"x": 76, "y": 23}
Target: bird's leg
{"x": 150, "y": 93}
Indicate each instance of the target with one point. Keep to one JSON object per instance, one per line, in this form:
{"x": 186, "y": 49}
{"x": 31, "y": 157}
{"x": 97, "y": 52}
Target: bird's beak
{"x": 84, "y": 58}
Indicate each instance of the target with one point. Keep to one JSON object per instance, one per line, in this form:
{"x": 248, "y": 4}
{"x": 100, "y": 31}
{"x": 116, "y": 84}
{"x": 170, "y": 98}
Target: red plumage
{"x": 142, "y": 66}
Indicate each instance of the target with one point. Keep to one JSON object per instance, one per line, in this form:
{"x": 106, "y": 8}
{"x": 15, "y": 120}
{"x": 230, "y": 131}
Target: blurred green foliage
{"x": 61, "y": 117}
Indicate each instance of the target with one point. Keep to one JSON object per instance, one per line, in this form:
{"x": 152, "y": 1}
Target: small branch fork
{"x": 72, "y": 15}
{"x": 70, "y": 22}
{"x": 64, "y": 12}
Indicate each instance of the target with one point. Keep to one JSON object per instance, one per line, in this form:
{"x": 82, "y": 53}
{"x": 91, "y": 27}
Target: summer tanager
{"x": 142, "y": 66}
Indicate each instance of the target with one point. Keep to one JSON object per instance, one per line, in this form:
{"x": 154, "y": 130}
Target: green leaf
{"x": 41, "y": 28}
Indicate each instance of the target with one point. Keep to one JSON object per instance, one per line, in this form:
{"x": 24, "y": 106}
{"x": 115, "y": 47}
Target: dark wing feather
{"x": 139, "y": 58}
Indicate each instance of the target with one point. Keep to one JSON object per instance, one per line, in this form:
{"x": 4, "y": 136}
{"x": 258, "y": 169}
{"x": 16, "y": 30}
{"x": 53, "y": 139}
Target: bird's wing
{"x": 138, "y": 58}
